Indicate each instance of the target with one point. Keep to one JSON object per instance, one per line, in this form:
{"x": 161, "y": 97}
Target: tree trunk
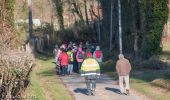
{"x": 85, "y": 8}
{"x": 105, "y": 23}
{"x": 59, "y": 8}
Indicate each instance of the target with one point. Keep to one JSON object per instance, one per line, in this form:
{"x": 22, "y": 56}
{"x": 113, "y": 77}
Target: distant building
{"x": 36, "y": 22}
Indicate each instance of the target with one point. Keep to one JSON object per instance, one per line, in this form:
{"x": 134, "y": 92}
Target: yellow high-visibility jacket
{"x": 90, "y": 67}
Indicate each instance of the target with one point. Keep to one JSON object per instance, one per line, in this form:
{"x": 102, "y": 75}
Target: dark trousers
{"x": 64, "y": 69}
{"x": 91, "y": 85}
{"x": 75, "y": 66}
{"x": 79, "y": 66}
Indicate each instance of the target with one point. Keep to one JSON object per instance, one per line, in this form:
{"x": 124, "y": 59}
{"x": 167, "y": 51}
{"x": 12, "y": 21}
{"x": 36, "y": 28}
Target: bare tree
{"x": 85, "y": 8}
{"x": 77, "y": 9}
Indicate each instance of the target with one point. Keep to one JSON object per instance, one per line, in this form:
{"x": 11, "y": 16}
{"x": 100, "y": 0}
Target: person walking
{"x": 75, "y": 64}
{"x": 55, "y": 52}
{"x": 123, "y": 68}
{"x": 90, "y": 69}
{"x": 80, "y": 57}
{"x": 71, "y": 60}
{"x": 64, "y": 58}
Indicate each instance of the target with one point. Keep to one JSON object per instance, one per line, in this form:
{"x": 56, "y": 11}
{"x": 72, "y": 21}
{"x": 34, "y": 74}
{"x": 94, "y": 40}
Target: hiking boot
{"x": 93, "y": 92}
{"x": 121, "y": 93}
{"x": 127, "y": 92}
{"x": 89, "y": 93}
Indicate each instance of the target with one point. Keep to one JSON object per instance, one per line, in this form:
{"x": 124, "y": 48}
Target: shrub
{"x": 161, "y": 83}
{"x": 153, "y": 63}
{"x": 108, "y": 66}
{"x": 15, "y": 68}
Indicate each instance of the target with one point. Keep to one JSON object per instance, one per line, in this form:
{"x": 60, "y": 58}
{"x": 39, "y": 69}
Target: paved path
{"x": 106, "y": 89}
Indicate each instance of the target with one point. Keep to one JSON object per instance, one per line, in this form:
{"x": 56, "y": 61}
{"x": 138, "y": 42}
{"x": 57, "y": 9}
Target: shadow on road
{"x": 81, "y": 90}
{"x": 113, "y": 90}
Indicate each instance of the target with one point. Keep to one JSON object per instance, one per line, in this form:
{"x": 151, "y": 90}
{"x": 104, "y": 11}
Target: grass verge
{"x": 45, "y": 84}
{"x": 151, "y": 83}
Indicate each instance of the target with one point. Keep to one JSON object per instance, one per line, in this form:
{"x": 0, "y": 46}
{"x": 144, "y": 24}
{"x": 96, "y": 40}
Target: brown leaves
{"x": 15, "y": 67}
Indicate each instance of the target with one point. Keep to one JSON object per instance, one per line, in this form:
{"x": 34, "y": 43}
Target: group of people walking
{"x": 86, "y": 60}
{"x": 69, "y": 57}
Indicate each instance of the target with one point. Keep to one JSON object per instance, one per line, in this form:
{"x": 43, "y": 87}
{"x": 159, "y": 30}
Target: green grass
{"x": 154, "y": 83}
{"x": 144, "y": 82}
{"x": 44, "y": 83}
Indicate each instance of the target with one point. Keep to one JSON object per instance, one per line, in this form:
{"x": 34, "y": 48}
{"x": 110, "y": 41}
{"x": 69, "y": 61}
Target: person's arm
{"x": 82, "y": 70}
{"x": 77, "y": 55}
{"x": 94, "y": 54}
{"x": 129, "y": 65}
{"x": 101, "y": 56}
{"x": 60, "y": 57}
{"x": 117, "y": 67}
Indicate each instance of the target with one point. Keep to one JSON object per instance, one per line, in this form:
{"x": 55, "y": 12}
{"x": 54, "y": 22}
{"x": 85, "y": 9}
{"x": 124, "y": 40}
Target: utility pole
{"x": 30, "y": 19}
{"x": 30, "y": 42}
{"x": 52, "y": 20}
{"x": 111, "y": 25}
{"x": 120, "y": 27}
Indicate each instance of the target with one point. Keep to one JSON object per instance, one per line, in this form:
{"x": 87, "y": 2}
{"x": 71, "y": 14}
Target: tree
{"x": 59, "y": 10}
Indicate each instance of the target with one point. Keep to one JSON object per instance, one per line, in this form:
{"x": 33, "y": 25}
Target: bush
{"x": 156, "y": 12}
{"x": 108, "y": 66}
{"x": 15, "y": 68}
{"x": 153, "y": 63}
{"x": 161, "y": 83}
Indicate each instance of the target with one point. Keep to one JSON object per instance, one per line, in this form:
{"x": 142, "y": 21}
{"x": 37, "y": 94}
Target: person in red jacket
{"x": 64, "y": 58}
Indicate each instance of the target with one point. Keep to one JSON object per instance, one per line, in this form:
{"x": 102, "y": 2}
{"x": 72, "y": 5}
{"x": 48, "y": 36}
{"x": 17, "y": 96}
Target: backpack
{"x": 80, "y": 55}
{"x": 98, "y": 53}
{"x": 89, "y": 54}
{"x": 70, "y": 54}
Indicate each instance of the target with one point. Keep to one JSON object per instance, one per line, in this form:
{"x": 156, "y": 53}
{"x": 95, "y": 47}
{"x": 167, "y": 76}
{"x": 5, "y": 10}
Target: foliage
{"x": 76, "y": 32}
{"x": 15, "y": 65}
{"x": 156, "y": 13}
{"x": 9, "y": 6}
{"x": 153, "y": 63}
{"x": 7, "y": 35}
{"x": 142, "y": 25}
{"x": 59, "y": 10}
{"x": 108, "y": 66}
{"x": 15, "y": 68}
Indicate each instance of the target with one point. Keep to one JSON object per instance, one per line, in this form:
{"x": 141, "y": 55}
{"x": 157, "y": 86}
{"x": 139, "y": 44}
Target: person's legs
{"x": 68, "y": 69}
{"x": 79, "y": 66}
{"x": 127, "y": 84}
{"x": 121, "y": 84}
{"x": 93, "y": 84}
{"x": 56, "y": 59}
{"x": 62, "y": 70}
{"x": 74, "y": 66}
{"x": 71, "y": 68}
{"x": 88, "y": 86}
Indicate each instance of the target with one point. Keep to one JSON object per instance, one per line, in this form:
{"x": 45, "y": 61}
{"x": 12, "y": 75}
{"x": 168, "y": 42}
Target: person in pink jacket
{"x": 80, "y": 57}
